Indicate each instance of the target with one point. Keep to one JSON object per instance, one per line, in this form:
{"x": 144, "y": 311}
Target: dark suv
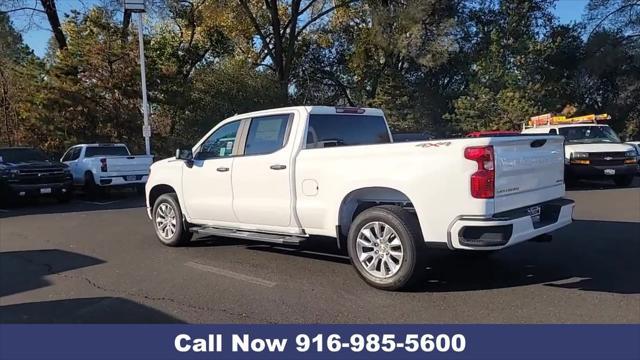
{"x": 26, "y": 172}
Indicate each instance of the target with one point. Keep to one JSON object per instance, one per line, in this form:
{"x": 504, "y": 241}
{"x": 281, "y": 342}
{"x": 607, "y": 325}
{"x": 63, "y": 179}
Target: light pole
{"x": 137, "y": 6}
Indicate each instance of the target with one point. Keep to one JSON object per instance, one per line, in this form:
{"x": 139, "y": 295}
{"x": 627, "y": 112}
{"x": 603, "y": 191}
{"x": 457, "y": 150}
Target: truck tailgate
{"x": 129, "y": 164}
{"x": 529, "y": 170}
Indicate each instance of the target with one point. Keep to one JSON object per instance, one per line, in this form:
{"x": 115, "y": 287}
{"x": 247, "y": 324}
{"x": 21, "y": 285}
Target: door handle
{"x": 278, "y": 167}
{"x": 222, "y": 169}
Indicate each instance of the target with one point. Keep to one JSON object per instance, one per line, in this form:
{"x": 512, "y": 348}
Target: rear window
{"x": 346, "y": 130}
{"x": 106, "y": 151}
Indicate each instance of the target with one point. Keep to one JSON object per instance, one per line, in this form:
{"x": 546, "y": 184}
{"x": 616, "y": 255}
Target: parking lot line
{"x": 231, "y": 274}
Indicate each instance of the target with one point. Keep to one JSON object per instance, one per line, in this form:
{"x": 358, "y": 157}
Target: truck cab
{"x": 592, "y": 149}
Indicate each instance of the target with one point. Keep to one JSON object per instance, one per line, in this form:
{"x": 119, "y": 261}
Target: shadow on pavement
{"x": 22, "y": 271}
{"x": 26, "y": 270}
{"x": 319, "y": 248}
{"x": 601, "y": 256}
{"x": 114, "y": 200}
{"x": 86, "y": 310}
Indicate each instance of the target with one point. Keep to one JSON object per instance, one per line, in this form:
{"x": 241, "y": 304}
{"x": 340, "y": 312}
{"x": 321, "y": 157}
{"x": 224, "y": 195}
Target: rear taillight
{"x": 482, "y": 181}
{"x": 103, "y": 165}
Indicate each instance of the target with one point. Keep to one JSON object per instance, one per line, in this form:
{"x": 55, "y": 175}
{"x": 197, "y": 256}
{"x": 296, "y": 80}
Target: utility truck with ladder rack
{"x": 592, "y": 150}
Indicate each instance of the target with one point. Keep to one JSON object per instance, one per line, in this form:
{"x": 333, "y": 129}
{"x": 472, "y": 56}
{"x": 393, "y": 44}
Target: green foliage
{"x": 444, "y": 66}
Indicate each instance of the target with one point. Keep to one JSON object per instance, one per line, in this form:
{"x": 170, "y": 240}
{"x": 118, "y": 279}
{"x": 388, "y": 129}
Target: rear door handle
{"x": 278, "y": 167}
{"x": 222, "y": 169}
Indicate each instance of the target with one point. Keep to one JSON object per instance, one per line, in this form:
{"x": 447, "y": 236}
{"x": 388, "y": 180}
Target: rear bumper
{"x": 508, "y": 228}
{"x": 121, "y": 180}
{"x": 598, "y": 171}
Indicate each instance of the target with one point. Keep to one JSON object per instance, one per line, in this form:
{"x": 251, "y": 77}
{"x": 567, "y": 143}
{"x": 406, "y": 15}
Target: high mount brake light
{"x": 482, "y": 181}
{"x": 349, "y": 110}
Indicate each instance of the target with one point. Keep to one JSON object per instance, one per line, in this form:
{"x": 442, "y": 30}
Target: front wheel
{"x": 167, "y": 221}
{"x": 386, "y": 247}
{"x": 623, "y": 180}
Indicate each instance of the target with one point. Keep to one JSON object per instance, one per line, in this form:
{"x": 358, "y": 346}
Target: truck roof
{"x": 314, "y": 109}
{"x": 102, "y": 144}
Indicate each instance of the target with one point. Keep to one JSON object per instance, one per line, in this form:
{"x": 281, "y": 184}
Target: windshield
{"x": 589, "y": 134}
{"x": 106, "y": 151}
{"x": 21, "y": 155}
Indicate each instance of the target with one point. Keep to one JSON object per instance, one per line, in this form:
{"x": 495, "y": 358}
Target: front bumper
{"x": 598, "y": 171}
{"x": 508, "y": 228}
{"x": 29, "y": 190}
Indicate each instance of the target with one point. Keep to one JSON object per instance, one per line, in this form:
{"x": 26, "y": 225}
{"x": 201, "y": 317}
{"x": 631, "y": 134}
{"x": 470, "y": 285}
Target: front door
{"x": 71, "y": 159}
{"x": 206, "y": 184}
{"x": 262, "y": 173}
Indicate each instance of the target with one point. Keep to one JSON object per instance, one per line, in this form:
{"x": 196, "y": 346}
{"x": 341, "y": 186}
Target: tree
{"x": 20, "y": 77}
{"x": 48, "y": 8}
{"x": 383, "y": 53}
{"x": 279, "y": 26}
{"x": 618, "y": 15}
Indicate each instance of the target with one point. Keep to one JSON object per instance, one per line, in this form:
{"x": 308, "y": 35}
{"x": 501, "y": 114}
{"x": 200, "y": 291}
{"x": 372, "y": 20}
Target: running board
{"x": 249, "y": 235}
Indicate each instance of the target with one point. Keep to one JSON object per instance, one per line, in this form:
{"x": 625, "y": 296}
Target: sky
{"x": 36, "y": 33}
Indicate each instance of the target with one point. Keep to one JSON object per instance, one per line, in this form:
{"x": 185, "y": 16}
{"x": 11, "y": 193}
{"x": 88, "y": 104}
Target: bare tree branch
{"x": 624, "y": 7}
{"x": 324, "y": 13}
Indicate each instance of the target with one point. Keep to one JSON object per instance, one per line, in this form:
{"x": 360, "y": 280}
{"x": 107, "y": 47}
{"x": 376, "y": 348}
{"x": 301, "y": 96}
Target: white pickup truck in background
{"x": 96, "y": 166}
{"x": 285, "y": 175}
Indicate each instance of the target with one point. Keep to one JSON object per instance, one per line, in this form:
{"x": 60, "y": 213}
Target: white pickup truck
{"x": 96, "y": 166}
{"x": 286, "y": 175}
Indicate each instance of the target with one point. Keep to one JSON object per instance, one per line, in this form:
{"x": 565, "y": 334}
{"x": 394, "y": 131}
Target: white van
{"x": 592, "y": 150}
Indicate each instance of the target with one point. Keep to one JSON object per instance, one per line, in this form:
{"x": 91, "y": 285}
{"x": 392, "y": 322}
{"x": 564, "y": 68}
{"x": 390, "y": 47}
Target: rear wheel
{"x": 90, "y": 187}
{"x": 170, "y": 229}
{"x": 386, "y": 247}
{"x": 623, "y": 180}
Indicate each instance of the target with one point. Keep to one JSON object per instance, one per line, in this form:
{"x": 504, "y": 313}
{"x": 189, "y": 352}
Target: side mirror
{"x": 184, "y": 154}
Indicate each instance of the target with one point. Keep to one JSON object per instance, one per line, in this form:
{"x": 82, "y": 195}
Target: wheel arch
{"x": 157, "y": 191}
{"x": 363, "y": 198}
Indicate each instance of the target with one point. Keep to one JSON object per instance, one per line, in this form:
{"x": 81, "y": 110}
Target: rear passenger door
{"x": 262, "y": 173}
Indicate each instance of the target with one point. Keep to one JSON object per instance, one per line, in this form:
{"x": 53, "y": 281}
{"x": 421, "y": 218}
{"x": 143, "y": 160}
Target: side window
{"x": 72, "y": 154}
{"x": 67, "y": 155}
{"x": 266, "y": 134}
{"x": 553, "y": 132}
{"x": 220, "y": 143}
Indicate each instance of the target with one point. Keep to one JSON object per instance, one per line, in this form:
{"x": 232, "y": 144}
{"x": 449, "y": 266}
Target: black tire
{"x": 7, "y": 197}
{"x": 406, "y": 226}
{"x": 65, "y": 197}
{"x": 570, "y": 180}
{"x": 623, "y": 180}
{"x": 182, "y": 235}
{"x": 90, "y": 187}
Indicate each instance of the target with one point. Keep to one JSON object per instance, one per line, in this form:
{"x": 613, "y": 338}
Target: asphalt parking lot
{"x": 98, "y": 261}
